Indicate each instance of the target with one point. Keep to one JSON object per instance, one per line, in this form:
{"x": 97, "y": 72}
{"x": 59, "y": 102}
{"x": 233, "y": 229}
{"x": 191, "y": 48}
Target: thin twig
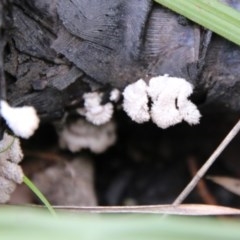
{"x": 203, "y": 191}
{"x": 207, "y": 164}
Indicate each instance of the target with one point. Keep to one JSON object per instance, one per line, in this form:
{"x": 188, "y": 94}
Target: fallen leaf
{"x": 230, "y": 184}
{"x": 183, "y": 209}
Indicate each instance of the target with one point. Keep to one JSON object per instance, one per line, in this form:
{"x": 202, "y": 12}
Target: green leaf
{"x": 211, "y": 14}
{"x": 38, "y": 193}
{"x": 25, "y": 224}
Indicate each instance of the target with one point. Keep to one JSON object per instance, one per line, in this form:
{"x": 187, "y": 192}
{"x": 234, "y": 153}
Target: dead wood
{"x": 58, "y": 50}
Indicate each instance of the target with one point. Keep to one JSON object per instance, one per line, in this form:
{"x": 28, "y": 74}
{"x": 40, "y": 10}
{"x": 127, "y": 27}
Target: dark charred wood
{"x": 221, "y": 73}
{"x": 5, "y": 20}
{"x": 57, "y": 50}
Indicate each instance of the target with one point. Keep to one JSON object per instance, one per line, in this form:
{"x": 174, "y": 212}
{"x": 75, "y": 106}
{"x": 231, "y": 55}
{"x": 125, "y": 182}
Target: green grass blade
{"x": 38, "y": 225}
{"x": 38, "y": 193}
{"x": 213, "y": 15}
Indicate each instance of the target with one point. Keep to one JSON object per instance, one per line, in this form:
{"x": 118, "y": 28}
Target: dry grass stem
{"x": 202, "y": 188}
{"x": 207, "y": 164}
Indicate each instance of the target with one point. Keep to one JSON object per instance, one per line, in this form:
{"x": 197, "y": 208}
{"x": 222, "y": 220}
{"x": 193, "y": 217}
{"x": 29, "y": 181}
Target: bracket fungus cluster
{"x": 170, "y": 104}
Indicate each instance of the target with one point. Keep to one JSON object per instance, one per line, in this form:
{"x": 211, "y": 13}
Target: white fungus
{"x": 170, "y": 101}
{"x": 115, "y": 95}
{"x": 190, "y": 113}
{"x": 23, "y": 121}
{"x": 10, "y": 172}
{"x": 93, "y": 110}
{"x": 6, "y": 188}
{"x": 10, "y": 149}
{"x": 135, "y": 102}
{"x": 84, "y": 135}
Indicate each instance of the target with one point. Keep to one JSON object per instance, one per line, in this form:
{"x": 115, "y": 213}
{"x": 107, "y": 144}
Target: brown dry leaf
{"x": 230, "y": 184}
{"x": 184, "y": 209}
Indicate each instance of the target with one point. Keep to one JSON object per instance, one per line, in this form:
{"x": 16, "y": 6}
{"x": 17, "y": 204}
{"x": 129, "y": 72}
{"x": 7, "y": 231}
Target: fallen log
{"x": 57, "y": 51}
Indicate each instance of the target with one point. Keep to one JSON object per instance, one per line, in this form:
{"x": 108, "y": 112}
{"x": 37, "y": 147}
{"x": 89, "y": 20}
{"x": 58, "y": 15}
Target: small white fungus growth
{"x": 135, "y": 102}
{"x": 170, "y": 101}
{"x": 23, "y": 121}
{"x": 115, "y": 95}
{"x": 95, "y": 112}
{"x": 84, "y": 135}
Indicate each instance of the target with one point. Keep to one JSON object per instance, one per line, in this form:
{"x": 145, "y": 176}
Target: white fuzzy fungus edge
{"x": 135, "y": 102}
{"x": 23, "y": 121}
